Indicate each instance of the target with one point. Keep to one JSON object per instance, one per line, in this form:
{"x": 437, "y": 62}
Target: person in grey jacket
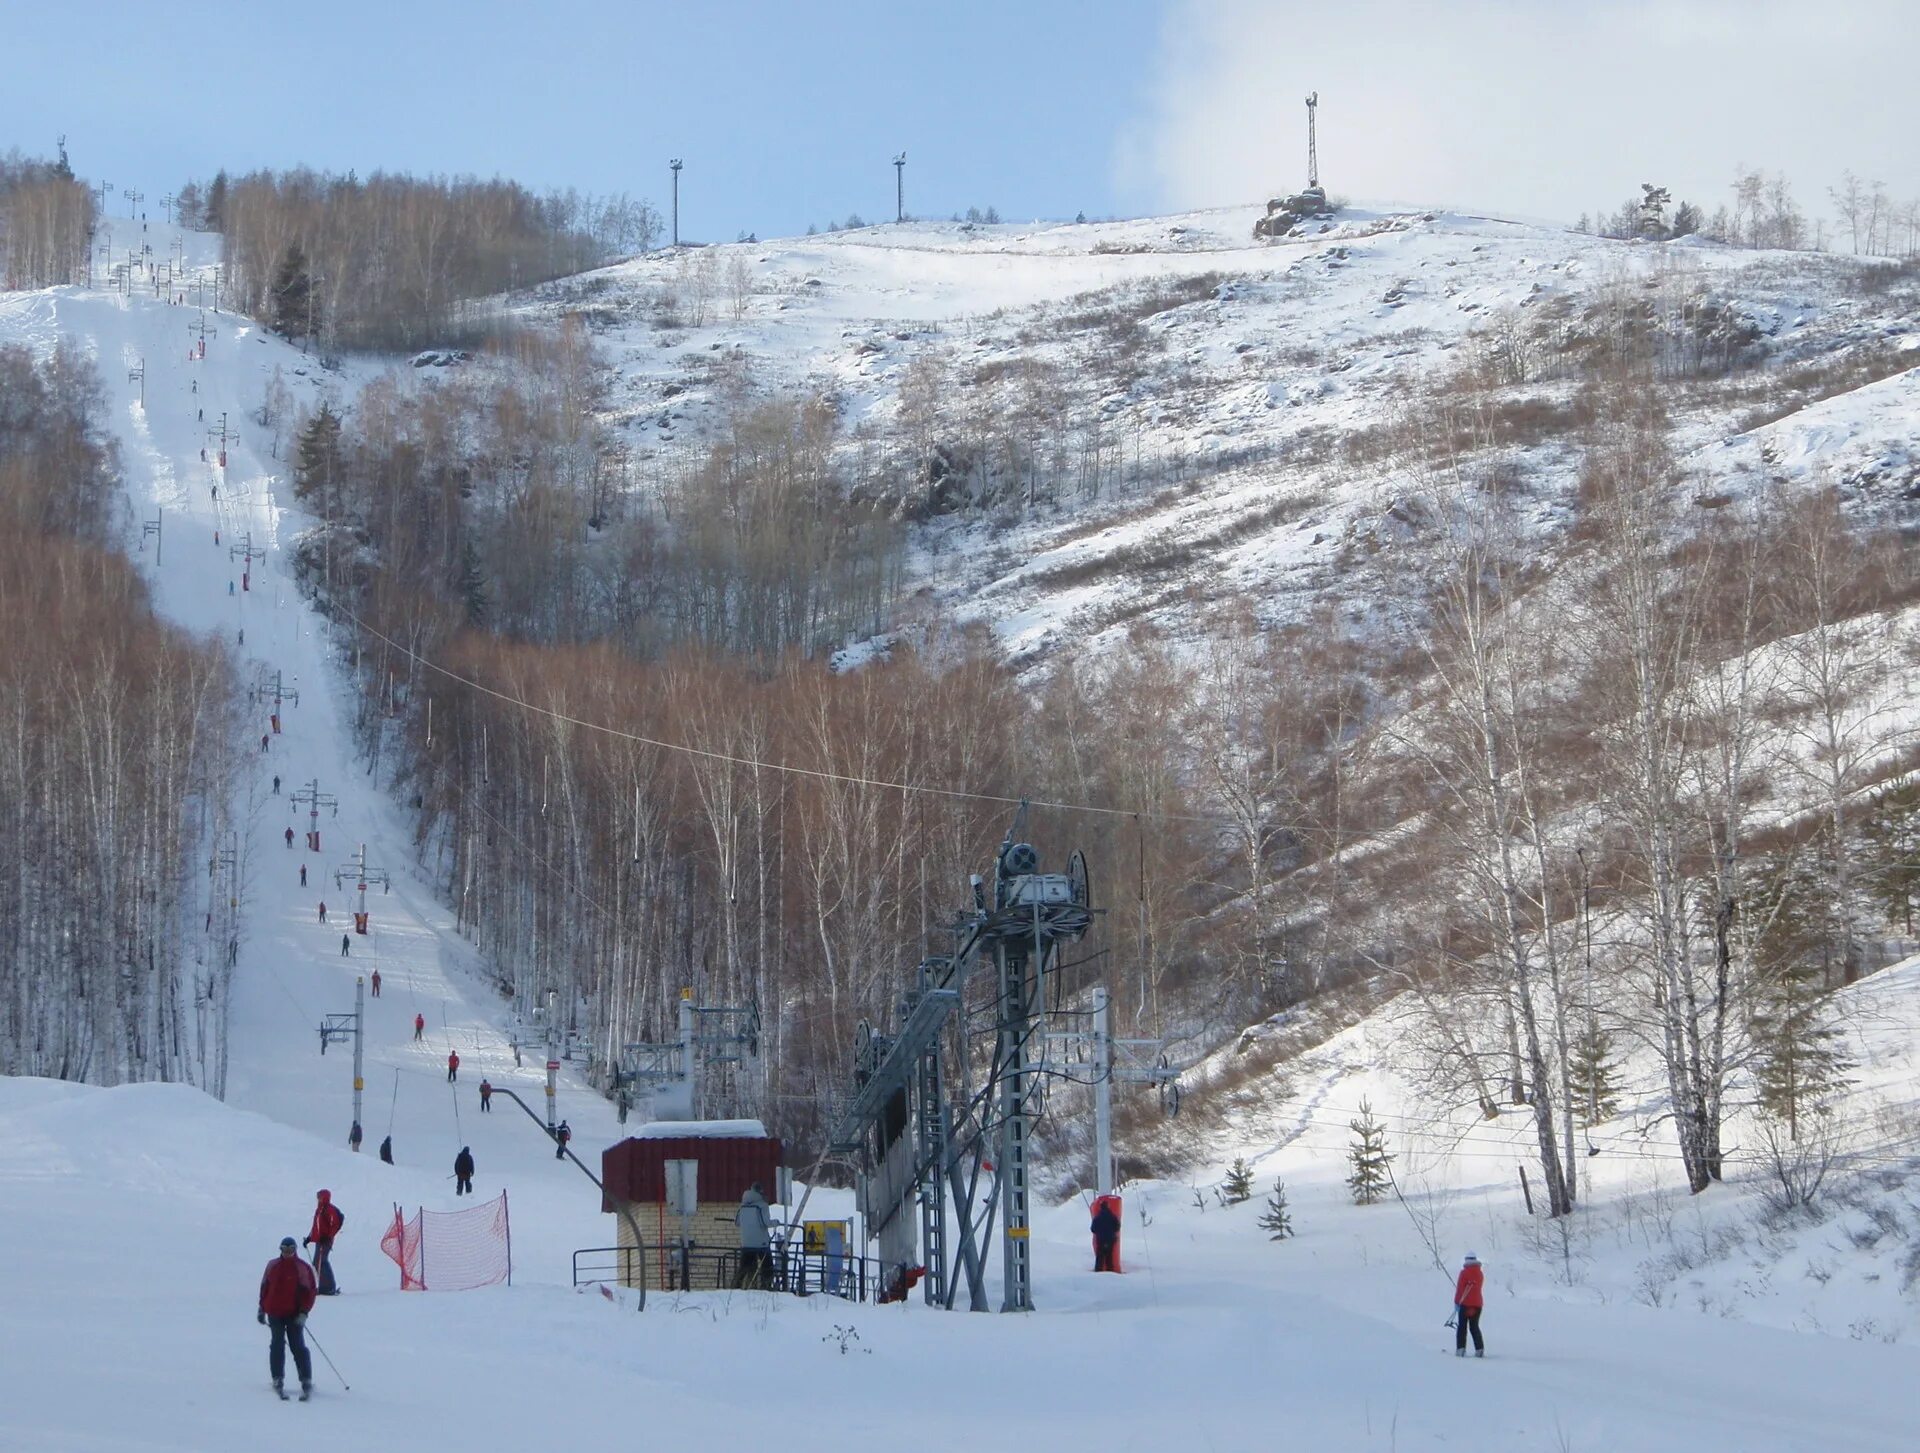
{"x": 754, "y": 1223}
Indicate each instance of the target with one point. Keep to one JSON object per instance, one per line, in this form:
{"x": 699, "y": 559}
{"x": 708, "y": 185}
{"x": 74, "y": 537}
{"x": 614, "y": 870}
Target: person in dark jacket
{"x": 560, "y": 1139}
{"x": 346, "y": 945}
{"x": 463, "y": 1172}
{"x": 327, "y": 1221}
{"x": 1106, "y": 1235}
{"x": 386, "y": 1150}
{"x": 287, "y": 1291}
{"x": 1469, "y": 1296}
{"x": 353, "y": 1138}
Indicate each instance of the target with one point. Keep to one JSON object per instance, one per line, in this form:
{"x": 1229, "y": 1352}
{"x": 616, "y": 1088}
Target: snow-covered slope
{"x": 137, "y": 1219}
{"x": 291, "y": 970}
{"x": 1215, "y": 411}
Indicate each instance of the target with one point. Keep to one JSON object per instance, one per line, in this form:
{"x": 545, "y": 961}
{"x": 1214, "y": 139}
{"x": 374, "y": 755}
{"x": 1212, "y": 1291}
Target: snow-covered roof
{"x": 702, "y": 1129}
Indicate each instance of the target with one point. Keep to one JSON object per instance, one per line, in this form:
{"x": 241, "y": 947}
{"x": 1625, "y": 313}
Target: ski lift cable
{"x": 815, "y": 773}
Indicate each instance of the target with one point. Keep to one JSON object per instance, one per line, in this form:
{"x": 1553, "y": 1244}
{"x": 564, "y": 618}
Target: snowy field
{"x": 137, "y": 1219}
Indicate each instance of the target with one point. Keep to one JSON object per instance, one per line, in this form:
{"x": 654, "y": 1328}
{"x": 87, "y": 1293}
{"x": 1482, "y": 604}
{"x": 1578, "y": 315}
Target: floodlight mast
{"x": 1313, "y": 143}
{"x": 900, "y": 187}
{"x": 674, "y": 166}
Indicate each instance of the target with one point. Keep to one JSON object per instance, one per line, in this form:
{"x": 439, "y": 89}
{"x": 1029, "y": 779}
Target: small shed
{"x": 698, "y": 1251}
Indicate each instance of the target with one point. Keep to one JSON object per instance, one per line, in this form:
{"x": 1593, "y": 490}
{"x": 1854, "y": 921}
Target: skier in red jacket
{"x": 419, "y": 1025}
{"x": 287, "y": 1291}
{"x": 1468, "y": 1298}
{"x": 327, "y": 1221}
{"x": 453, "y": 1066}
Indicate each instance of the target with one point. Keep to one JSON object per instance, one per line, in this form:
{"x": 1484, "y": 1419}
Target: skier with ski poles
{"x": 287, "y": 1292}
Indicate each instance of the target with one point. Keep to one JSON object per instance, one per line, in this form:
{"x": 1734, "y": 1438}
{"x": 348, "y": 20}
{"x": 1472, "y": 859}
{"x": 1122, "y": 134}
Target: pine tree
{"x": 1238, "y": 1185}
{"x": 290, "y": 300}
{"x": 473, "y": 586}
{"x": 317, "y": 460}
{"x": 1891, "y": 841}
{"x": 1275, "y": 1218}
{"x": 1369, "y": 1157}
{"x": 190, "y": 207}
{"x": 1797, "y": 1059}
{"x": 214, "y": 213}
{"x": 1593, "y": 1081}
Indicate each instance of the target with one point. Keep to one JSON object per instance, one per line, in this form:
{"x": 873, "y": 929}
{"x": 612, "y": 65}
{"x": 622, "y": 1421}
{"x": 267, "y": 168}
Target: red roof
{"x": 635, "y": 1170}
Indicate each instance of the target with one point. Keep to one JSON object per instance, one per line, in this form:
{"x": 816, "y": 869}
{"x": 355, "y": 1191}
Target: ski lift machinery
{"x": 916, "y": 1148}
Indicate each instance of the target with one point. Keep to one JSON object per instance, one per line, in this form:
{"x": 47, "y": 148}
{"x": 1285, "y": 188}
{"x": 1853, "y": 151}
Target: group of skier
{"x": 288, "y": 1289}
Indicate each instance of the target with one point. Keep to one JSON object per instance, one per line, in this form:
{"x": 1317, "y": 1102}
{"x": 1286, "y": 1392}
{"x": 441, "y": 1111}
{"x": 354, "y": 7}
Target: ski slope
{"x": 137, "y": 1219}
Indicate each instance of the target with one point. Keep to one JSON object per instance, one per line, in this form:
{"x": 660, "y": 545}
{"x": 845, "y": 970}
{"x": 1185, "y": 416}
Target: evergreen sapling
{"x": 1238, "y": 1185}
{"x": 1369, "y": 1157}
{"x": 1275, "y": 1219}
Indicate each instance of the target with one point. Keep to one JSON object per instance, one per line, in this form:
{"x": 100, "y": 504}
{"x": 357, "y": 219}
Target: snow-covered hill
{"x": 137, "y": 1219}
{"x": 1214, "y": 414}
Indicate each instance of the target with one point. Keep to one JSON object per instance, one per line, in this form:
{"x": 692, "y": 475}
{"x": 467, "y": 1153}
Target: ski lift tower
{"x": 338, "y": 1028}
{"x": 1095, "y": 1058}
{"x": 915, "y": 1147}
{"x": 362, "y": 875}
{"x": 709, "y": 1035}
{"x": 315, "y": 799}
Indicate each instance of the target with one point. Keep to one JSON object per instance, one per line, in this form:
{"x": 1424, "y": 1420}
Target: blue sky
{"x": 789, "y": 113}
{"x": 784, "y": 114}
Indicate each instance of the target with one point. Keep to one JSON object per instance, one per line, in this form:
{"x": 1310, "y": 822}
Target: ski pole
{"x": 323, "y": 1352}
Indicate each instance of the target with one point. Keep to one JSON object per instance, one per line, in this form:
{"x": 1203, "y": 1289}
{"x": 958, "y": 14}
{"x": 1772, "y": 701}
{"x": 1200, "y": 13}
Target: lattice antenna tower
{"x": 1313, "y": 143}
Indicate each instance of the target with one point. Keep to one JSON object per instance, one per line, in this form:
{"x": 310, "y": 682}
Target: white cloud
{"x": 1534, "y": 109}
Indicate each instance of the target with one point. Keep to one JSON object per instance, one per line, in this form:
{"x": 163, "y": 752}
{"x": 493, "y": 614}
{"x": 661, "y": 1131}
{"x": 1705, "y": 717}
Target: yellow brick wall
{"x": 711, "y": 1228}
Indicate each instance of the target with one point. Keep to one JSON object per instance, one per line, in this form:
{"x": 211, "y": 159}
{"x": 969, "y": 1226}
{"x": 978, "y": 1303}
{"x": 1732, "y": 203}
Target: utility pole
{"x": 900, "y": 187}
{"x": 134, "y": 199}
{"x": 362, "y": 875}
{"x": 167, "y": 202}
{"x": 674, "y": 165}
{"x": 315, "y": 800}
{"x": 104, "y": 187}
{"x": 152, "y": 527}
{"x": 138, "y": 373}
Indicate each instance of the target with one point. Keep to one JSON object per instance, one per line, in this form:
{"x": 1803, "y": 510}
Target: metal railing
{"x": 671, "y": 1266}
